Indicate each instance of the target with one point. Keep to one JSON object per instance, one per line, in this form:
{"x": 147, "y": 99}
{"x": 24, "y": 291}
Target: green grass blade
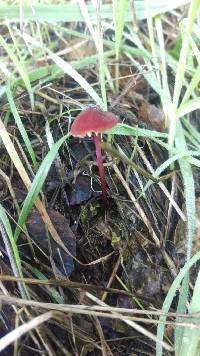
{"x": 191, "y": 336}
{"x": 52, "y": 291}
{"x": 47, "y": 73}
{"x": 192, "y": 131}
{"x": 19, "y": 64}
{"x": 169, "y": 299}
{"x": 181, "y": 309}
{"x": 178, "y": 156}
{"x": 184, "y": 154}
{"x": 20, "y": 124}
{"x": 154, "y": 54}
{"x": 149, "y": 74}
{"x": 67, "y": 68}
{"x": 166, "y": 97}
{"x": 123, "y": 129}
{"x": 194, "y": 5}
{"x": 182, "y": 66}
{"x": 119, "y": 12}
{"x": 194, "y": 161}
{"x": 84, "y": 11}
{"x": 16, "y": 264}
{"x": 38, "y": 183}
{"x": 189, "y": 191}
{"x": 119, "y": 18}
{"x": 102, "y": 66}
{"x": 8, "y": 229}
{"x": 71, "y": 12}
{"x": 192, "y": 85}
{"x": 195, "y": 49}
{"x": 192, "y": 105}
{"x": 97, "y": 38}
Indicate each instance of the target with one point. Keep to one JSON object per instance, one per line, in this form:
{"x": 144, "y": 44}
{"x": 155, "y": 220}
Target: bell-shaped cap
{"x": 92, "y": 120}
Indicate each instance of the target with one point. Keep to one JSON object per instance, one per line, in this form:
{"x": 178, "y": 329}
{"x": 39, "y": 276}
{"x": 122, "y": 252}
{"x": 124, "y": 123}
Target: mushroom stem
{"x": 97, "y": 142}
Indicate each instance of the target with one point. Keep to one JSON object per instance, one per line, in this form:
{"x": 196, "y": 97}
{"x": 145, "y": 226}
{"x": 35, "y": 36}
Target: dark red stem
{"x": 97, "y": 142}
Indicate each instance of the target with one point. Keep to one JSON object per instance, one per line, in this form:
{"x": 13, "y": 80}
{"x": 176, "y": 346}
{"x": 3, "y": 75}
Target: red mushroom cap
{"x": 92, "y": 120}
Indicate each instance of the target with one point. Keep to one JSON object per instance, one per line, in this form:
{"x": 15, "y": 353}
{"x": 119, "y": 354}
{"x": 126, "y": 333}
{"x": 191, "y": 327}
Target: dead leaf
{"x": 36, "y": 228}
{"x": 152, "y": 115}
{"x": 81, "y": 191}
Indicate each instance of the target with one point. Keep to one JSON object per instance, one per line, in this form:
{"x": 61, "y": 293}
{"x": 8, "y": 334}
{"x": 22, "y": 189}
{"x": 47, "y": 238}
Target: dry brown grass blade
{"x": 38, "y": 335}
{"x": 23, "y": 329}
{"x": 105, "y": 311}
{"x": 112, "y": 277}
{"x": 63, "y": 283}
{"x": 162, "y": 186}
{"x": 146, "y": 221}
{"x": 90, "y": 308}
{"x": 105, "y": 349}
{"x": 137, "y": 205}
{"x": 20, "y": 318}
{"x": 133, "y": 324}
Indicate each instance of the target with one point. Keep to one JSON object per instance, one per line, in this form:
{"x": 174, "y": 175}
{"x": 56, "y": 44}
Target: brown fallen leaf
{"x": 37, "y": 230}
{"x": 81, "y": 190}
{"x": 152, "y": 116}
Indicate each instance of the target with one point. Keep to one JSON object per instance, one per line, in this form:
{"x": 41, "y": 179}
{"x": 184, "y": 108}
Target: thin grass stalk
{"x": 101, "y": 56}
{"x": 166, "y": 97}
{"x": 119, "y": 12}
{"x": 152, "y": 40}
{"x": 189, "y": 191}
{"x": 169, "y": 299}
{"x": 181, "y": 68}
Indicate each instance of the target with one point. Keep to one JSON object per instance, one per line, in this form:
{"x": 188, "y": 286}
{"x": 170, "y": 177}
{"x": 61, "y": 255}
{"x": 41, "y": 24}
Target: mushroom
{"x": 93, "y": 121}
